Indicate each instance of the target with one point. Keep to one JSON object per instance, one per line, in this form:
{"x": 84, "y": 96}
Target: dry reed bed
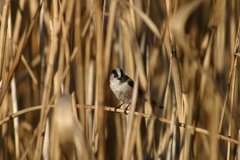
{"x": 183, "y": 54}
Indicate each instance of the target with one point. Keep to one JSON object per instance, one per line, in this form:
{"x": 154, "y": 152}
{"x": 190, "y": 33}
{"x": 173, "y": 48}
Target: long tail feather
{"x": 155, "y": 104}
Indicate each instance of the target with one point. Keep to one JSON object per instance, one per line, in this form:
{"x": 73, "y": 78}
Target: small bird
{"x": 122, "y": 87}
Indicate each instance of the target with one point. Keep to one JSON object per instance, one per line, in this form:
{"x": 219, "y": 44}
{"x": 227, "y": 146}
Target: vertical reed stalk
{"x": 99, "y": 114}
{"x": 3, "y": 33}
{"x": 48, "y": 79}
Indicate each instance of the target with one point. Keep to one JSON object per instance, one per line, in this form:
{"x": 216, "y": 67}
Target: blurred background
{"x": 182, "y": 53}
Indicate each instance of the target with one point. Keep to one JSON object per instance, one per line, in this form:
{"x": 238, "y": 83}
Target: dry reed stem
{"x": 81, "y": 76}
{"x": 185, "y": 153}
{"x": 88, "y": 71}
{"x": 132, "y": 18}
{"x": 100, "y": 121}
{"x": 206, "y": 64}
{"x": 170, "y": 148}
{"x": 3, "y": 33}
{"x": 130, "y": 138}
{"x": 188, "y": 112}
{"x": 150, "y": 134}
{"x": 24, "y": 154}
{"x": 48, "y": 78}
{"x": 86, "y": 26}
{"x": 169, "y": 15}
{"x": 214, "y": 118}
{"x": 26, "y": 151}
{"x": 14, "y": 90}
{"x": 4, "y": 111}
{"x": 146, "y": 19}
{"x": 139, "y": 147}
{"x": 164, "y": 113}
{"x": 5, "y": 128}
{"x": 178, "y": 32}
{"x": 90, "y": 93}
{"x": 15, "y": 63}
{"x": 137, "y": 54}
{"x": 238, "y": 150}
{"x": 224, "y": 107}
{"x": 111, "y": 109}
{"x": 74, "y": 105}
{"x": 34, "y": 79}
{"x": 177, "y": 85}
{"x": 145, "y": 47}
{"x": 220, "y": 36}
{"x": 21, "y": 47}
{"x": 80, "y": 83}
{"x": 125, "y": 63}
{"x": 229, "y": 80}
{"x": 42, "y": 46}
{"x": 15, "y": 121}
{"x": 233, "y": 80}
{"x": 18, "y": 24}
{"x": 175, "y": 72}
{"x": 110, "y": 27}
{"x": 153, "y": 60}
{"x": 231, "y": 89}
{"x": 134, "y": 134}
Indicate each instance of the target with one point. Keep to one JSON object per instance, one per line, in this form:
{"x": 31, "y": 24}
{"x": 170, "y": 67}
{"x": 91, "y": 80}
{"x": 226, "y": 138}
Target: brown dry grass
{"x": 183, "y": 53}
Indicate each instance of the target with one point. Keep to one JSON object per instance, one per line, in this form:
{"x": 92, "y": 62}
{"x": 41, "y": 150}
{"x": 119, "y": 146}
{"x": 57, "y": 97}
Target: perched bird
{"x": 122, "y": 87}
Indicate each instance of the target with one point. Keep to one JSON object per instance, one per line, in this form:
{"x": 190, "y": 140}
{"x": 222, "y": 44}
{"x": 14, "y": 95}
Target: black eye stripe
{"x": 118, "y": 73}
{"x": 114, "y": 72}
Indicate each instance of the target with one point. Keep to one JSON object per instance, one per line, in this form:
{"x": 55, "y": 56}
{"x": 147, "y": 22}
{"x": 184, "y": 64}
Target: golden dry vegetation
{"x": 182, "y": 53}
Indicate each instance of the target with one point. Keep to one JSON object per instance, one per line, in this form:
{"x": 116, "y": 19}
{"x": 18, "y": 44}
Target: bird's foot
{"x": 125, "y": 111}
{"x": 118, "y": 107}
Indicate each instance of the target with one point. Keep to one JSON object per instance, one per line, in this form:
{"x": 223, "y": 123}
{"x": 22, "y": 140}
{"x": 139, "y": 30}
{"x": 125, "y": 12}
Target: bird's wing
{"x": 131, "y": 83}
{"x": 141, "y": 93}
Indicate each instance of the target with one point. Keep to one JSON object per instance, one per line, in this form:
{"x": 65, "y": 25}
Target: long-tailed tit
{"x": 122, "y": 87}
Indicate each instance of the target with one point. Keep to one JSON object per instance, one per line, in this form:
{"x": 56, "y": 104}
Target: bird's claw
{"x": 125, "y": 111}
{"x": 116, "y": 109}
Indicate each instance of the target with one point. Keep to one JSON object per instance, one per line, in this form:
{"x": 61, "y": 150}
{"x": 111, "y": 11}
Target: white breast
{"x": 122, "y": 91}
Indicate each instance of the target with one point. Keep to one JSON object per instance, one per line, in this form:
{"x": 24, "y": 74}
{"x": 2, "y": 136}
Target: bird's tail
{"x": 155, "y": 104}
